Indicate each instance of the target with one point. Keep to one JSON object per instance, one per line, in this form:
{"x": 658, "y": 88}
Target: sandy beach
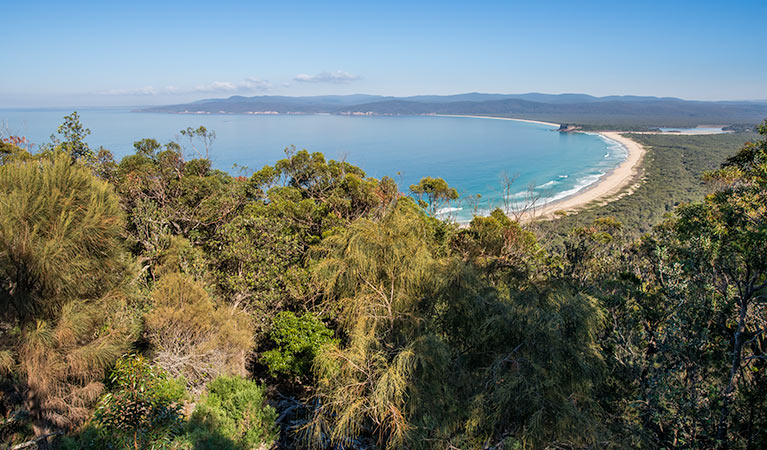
{"x": 609, "y": 185}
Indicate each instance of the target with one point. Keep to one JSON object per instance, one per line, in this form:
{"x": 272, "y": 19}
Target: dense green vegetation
{"x": 672, "y": 174}
{"x": 156, "y": 302}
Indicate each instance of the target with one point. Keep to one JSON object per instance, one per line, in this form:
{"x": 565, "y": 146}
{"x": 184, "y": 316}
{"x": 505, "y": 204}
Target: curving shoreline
{"x": 607, "y": 186}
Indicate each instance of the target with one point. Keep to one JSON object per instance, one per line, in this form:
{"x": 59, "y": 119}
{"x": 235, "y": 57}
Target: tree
{"x": 165, "y": 195}
{"x": 704, "y": 382}
{"x": 74, "y": 135}
{"x": 12, "y": 147}
{"x": 375, "y": 275}
{"x": 259, "y": 261}
{"x": 204, "y": 137}
{"x": 436, "y": 191}
{"x": 63, "y": 274}
{"x": 537, "y": 388}
{"x": 441, "y": 351}
{"x": 591, "y": 251}
{"x": 147, "y": 147}
{"x": 340, "y": 191}
{"x": 501, "y": 247}
{"x": 726, "y": 235}
{"x": 60, "y": 237}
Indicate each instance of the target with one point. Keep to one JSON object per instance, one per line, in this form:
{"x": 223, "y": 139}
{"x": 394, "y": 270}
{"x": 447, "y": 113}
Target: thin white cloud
{"x": 147, "y": 90}
{"x": 337, "y": 77}
{"x": 246, "y": 85}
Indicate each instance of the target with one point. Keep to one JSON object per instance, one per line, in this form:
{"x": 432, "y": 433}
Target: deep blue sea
{"x": 472, "y": 154}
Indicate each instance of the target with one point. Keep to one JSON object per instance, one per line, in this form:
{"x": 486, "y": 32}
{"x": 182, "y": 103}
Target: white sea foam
{"x": 579, "y": 186}
{"x": 519, "y": 200}
{"x": 519, "y": 195}
{"x": 613, "y": 147}
{"x": 619, "y": 150}
{"x": 545, "y": 185}
{"x": 447, "y": 209}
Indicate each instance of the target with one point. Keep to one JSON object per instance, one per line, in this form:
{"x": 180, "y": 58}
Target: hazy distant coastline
{"x": 637, "y": 112}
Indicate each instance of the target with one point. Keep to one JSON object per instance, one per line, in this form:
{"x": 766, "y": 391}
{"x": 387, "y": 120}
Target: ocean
{"x": 471, "y": 154}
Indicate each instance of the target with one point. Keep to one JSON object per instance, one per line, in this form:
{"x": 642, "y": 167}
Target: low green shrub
{"x": 297, "y": 341}
{"x": 233, "y": 411}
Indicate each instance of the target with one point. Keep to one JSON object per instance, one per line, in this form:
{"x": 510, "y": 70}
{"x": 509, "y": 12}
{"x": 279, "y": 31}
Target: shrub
{"x": 233, "y": 408}
{"x": 60, "y": 237}
{"x": 191, "y": 336}
{"x": 297, "y": 340}
{"x": 142, "y": 409}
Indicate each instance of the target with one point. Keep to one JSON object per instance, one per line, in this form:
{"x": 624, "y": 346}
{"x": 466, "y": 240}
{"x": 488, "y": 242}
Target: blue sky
{"x": 77, "y": 53}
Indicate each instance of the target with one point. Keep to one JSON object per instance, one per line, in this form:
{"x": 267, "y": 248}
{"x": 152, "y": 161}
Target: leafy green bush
{"x": 233, "y": 410}
{"x": 297, "y": 340}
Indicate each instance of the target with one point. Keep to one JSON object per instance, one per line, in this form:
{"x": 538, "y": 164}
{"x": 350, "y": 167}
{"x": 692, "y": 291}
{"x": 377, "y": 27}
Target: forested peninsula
{"x": 157, "y": 303}
{"x": 627, "y": 111}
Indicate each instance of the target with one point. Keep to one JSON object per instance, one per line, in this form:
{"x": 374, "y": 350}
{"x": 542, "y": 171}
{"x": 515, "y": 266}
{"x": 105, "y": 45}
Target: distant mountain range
{"x": 561, "y": 108}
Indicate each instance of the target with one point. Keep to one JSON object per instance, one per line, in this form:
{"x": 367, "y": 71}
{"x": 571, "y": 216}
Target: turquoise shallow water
{"x": 470, "y": 153}
{"x": 699, "y": 130}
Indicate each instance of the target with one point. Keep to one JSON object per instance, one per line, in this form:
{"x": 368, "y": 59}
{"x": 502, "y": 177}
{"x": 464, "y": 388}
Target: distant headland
{"x": 572, "y": 109}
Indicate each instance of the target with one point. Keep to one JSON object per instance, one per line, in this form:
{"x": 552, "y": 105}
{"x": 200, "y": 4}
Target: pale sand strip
{"x": 497, "y": 118}
{"x": 607, "y": 186}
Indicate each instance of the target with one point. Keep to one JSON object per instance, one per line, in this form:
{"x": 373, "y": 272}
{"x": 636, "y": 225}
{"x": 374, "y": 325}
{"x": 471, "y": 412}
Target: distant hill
{"x": 570, "y": 108}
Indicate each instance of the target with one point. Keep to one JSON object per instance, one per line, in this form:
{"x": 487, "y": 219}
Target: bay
{"x": 471, "y": 154}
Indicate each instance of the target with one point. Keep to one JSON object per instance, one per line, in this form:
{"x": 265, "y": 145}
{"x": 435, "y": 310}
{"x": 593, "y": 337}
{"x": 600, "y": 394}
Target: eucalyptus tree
{"x": 729, "y": 231}
{"x": 72, "y": 140}
{"x": 436, "y": 192}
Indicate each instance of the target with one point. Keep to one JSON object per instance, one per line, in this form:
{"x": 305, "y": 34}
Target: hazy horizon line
{"x": 139, "y": 105}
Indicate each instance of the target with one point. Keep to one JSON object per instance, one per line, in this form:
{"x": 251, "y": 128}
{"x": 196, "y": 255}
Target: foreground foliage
{"x": 376, "y": 324}
{"x": 233, "y": 409}
{"x": 63, "y": 272}
{"x": 141, "y": 409}
{"x": 411, "y": 318}
{"x": 297, "y": 341}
